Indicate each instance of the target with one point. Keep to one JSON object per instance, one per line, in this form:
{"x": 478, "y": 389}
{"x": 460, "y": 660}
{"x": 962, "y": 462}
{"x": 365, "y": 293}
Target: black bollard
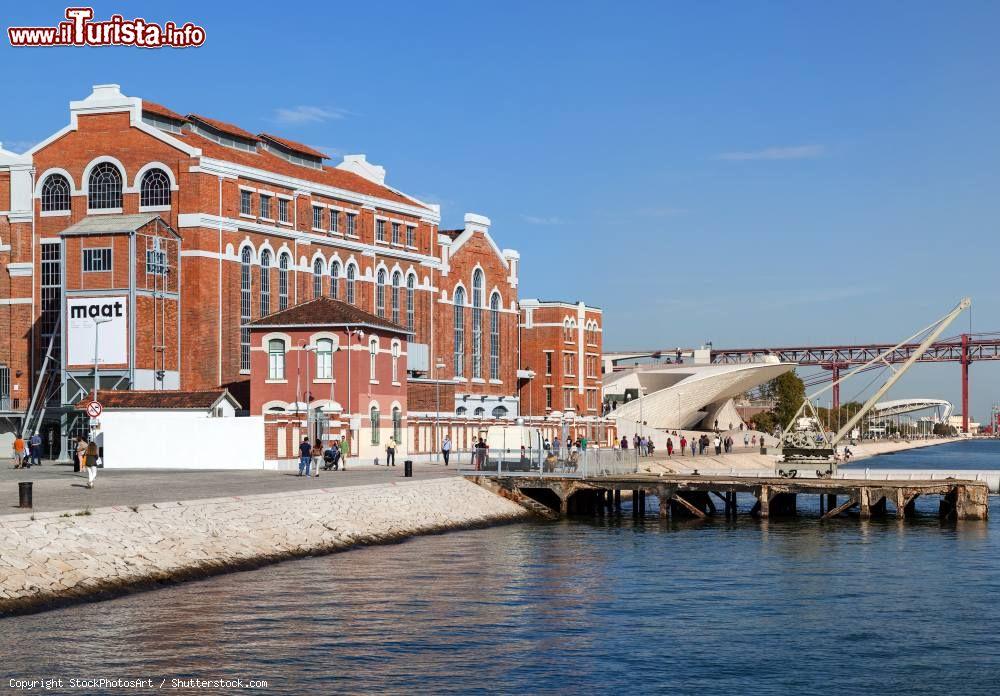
{"x": 408, "y": 468}
{"x": 24, "y": 494}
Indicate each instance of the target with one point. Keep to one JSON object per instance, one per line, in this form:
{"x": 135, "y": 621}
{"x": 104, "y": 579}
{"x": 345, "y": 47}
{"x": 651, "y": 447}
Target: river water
{"x": 583, "y": 606}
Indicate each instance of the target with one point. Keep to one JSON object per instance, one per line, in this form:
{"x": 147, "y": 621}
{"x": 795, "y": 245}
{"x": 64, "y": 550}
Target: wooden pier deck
{"x": 701, "y": 496}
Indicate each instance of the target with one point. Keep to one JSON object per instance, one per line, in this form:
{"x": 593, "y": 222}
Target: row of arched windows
{"x": 476, "y": 309}
{"x": 395, "y": 295}
{"x": 590, "y": 332}
{"x": 104, "y": 189}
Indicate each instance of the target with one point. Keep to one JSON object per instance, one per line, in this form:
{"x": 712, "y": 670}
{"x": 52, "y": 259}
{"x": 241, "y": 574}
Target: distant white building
{"x": 691, "y": 396}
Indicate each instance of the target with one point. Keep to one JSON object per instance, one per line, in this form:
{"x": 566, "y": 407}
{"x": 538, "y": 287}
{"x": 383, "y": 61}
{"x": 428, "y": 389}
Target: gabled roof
{"x": 292, "y": 145}
{"x": 326, "y": 311}
{"x": 223, "y": 127}
{"x": 114, "y": 224}
{"x": 160, "y": 110}
{"x": 161, "y": 399}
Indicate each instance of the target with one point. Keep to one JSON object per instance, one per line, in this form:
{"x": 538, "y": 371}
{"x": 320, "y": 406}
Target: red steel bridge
{"x": 963, "y": 349}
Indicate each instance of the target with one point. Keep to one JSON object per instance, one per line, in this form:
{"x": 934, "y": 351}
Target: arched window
{"x": 397, "y": 279}
{"x": 459, "y": 332}
{"x": 397, "y": 425}
{"x": 246, "y": 282}
{"x": 396, "y": 351}
{"x": 495, "y": 336}
{"x": 479, "y": 412}
{"x": 318, "y": 278}
{"x": 55, "y": 193}
{"x": 275, "y": 359}
{"x": 411, "y": 281}
{"x": 104, "y": 189}
{"x": 283, "y": 262}
{"x": 351, "y": 272}
{"x": 380, "y": 293}
{"x": 154, "y": 189}
{"x": 324, "y": 359}
{"x": 477, "y": 324}
{"x": 500, "y": 412}
{"x": 372, "y": 359}
{"x": 461, "y": 411}
{"x": 374, "y": 415}
{"x": 335, "y": 279}
{"x": 265, "y": 283}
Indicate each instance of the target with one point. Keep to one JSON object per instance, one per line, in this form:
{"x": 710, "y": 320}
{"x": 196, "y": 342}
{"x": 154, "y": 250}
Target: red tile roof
{"x": 267, "y": 161}
{"x": 156, "y": 399}
{"x": 326, "y": 311}
{"x": 224, "y": 127}
{"x": 160, "y": 110}
{"x": 292, "y": 145}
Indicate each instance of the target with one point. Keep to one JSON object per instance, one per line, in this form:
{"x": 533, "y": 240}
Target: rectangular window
{"x": 317, "y": 217}
{"x": 411, "y": 233}
{"x": 548, "y": 397}
{"x": 548, "y": 363}
{"x": 97, "y": 259}
{"x": 283, "y": 210}
{"x": 395, "y": 233}
{"x": 246, "y": 202}
{"x": 51, "y": 294}
{"x": 380, "y": 230}
{"x": 567, "y": 397}
{"x": 352, "y": 225}
{"x": 265, "y": 207}
{"x": 276, "y": 359}
{"x": 156, "y": 262}
{"x": 334, "y": 221}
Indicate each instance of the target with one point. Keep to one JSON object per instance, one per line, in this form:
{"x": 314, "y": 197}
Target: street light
{"x": 438, "y": 366}
{"x": 97, "y": 335}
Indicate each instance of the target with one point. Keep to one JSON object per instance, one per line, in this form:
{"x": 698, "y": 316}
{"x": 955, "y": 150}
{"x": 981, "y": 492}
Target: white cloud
{"x": 297, "y": 115}
{"x": 537, "y": 220}
{"x": 775, "y": 153}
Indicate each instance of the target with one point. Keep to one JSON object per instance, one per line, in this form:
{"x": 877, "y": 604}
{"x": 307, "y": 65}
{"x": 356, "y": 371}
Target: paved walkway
{"x": 56, "y": 487}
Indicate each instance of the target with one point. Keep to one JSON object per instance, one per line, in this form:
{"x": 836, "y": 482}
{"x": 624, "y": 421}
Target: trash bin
{"x": 408, "y": 468}
{"x": 763, "y": 449}
{"x": 24, "y": 494}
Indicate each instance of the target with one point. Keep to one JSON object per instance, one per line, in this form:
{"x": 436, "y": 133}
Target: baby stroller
{"x": 331, "y": 460}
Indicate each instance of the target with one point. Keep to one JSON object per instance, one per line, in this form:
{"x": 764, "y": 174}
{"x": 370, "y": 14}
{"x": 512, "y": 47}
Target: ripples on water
{"x": 587, "y": 606}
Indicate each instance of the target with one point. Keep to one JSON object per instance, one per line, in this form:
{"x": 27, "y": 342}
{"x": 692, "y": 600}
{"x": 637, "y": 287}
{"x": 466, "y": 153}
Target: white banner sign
{"x": 110, "y": 317}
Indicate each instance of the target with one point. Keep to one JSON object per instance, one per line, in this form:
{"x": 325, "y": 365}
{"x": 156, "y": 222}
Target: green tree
{"x": 789, "y": 392}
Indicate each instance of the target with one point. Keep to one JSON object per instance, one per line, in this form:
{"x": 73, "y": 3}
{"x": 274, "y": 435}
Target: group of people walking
{"x": 310, "y": 454}
{"x": 86, "y": 455}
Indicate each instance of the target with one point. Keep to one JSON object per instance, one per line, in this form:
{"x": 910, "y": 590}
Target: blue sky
{"x": 746, "y": 173}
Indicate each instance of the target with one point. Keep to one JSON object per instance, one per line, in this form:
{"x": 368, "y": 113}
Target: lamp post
{"x": 309, "y": 426}
{"x": 350, "y": 411}
{"x": 438, "y": 366}
{"x": 97, "y": 335}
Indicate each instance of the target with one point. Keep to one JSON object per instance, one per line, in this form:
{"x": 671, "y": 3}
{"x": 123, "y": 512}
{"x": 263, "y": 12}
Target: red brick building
{"x": 315, "y": 364}
{"x": 561, "y": 348}
{"x": 195, "y": 229}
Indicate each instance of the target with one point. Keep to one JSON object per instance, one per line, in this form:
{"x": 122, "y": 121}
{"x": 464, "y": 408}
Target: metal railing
{"x": 590, "y": 463}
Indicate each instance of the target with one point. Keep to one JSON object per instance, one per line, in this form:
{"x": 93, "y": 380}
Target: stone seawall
{"x": 50, "y": 559}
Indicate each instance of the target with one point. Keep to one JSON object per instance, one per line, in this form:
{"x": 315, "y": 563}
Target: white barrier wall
{"x": 181, "y": 440}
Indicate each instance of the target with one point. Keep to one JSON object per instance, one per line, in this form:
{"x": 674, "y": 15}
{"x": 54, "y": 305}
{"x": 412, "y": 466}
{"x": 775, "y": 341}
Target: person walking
{"x": 317, "y": 454}
{"x": 36, "y": 449}
{"x": 19, "y": 452}
{"x": 746, "y": 439}
{"x": 390, "y": 452}
{"x": 80, "y": 452}
{"x": 446, "y": 449}
{"x": 556, "y": 446}
{"x": 90, "y": 460}
{"x": 718, "y": 445}
{"x": 305, "y": 457}
{"x": 332, "y": 456}
{"x": 624, "y": 442}
{"x": 683, "y": 444}
{"x": 670, "y": 447}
